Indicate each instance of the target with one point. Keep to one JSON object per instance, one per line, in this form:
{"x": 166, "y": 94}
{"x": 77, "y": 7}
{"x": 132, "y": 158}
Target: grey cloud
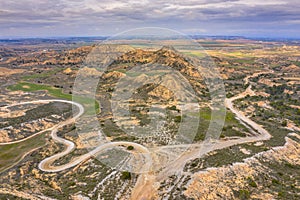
{"x": 132, "y": 13}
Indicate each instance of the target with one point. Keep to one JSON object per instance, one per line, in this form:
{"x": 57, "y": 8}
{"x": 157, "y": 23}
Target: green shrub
{"x": 275, "y": 182}
{"x": 130, "y": 148}
{"x": 172, "y": 108}
{"x": 177, "y": 119}
{"x": 251, "y": 182}
{"x": 126, "y": 175}
{"x": 244, "y": 194}
{"x": 284, "y": 123}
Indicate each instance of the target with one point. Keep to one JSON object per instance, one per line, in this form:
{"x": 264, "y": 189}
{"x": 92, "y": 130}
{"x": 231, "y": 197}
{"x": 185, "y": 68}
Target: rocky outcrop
{"x": 291, "y": 68}
{"x": 228, "y": 182}
{"x": 165, "y": 56}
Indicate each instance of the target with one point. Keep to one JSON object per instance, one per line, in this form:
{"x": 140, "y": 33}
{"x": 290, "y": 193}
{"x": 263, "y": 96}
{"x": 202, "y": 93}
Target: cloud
{"x": 109, "y": 15}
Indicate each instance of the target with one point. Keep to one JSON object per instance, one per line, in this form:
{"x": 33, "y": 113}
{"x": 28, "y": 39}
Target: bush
{"x": 172, "y": 108}
{"x": 284, "y": 123}
{"x": 281, "y": 194}
{"x": 126, "y": 175}
{"x": 177, "y": 119}
{"x": 275, "y": 182}
{"x": 130, "y": 148}
{"x": 251, "y": 182}
{"x": 244, "y": 194}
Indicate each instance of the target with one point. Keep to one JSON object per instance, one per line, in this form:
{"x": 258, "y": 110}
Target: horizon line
{"x": 189, "y": 35}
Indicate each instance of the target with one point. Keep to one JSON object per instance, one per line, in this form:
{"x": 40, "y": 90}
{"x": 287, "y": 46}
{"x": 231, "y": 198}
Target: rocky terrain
{"x": 255, "y": 178}
{"x": 263, "y": 169}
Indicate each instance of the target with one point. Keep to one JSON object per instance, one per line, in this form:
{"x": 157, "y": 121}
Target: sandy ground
{"x": 6, "y": 72}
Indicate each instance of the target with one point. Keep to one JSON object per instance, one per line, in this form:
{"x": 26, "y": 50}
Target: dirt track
{"x": 146, "y": 185}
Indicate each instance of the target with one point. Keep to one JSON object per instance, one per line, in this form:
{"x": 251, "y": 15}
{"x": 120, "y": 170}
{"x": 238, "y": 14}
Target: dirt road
{"x": 200, "y": 149}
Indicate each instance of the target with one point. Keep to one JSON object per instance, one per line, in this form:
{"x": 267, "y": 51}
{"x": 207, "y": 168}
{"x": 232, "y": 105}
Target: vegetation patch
{"x": 11, "y": 154}
{"x": 126, "y": 175}
{"x": 42, "y": 74}
{"x": 90, "y": 104}
{"x": 232, "y": 127}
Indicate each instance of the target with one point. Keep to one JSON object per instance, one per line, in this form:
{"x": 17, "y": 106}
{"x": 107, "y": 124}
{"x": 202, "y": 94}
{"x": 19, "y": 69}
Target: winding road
{"x": 145, "y": 186}
{"x": 46, "y": 164}
{"x": 80, "y": 107}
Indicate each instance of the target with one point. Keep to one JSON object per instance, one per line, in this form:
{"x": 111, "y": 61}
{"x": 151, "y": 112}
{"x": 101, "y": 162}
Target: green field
{"x": 13, "y": 153}
{"x": 90, "y": 104}
{"x": 228, "y": 128}
{"x": 42, "y": 75}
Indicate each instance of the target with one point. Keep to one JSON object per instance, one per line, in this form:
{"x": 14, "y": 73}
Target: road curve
{"x": 80, "y": 107}
{"x": 145, "y": 189}
{"x": 261, "y": 133}
{"x": 46, "y": 164}
{"x": 177, "y": 165}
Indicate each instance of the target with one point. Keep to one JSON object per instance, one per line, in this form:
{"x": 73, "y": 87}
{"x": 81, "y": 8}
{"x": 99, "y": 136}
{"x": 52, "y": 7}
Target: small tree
{"x": 284, "y": 123}
{"x": 126, "y": 175}
{"x": 173, "y": 107}
{"x": 130, "y": 148}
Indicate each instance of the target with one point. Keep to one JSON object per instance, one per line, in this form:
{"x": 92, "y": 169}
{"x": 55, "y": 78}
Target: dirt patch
{"x": 26, "y": 86}
{"x": 6, "y": 72}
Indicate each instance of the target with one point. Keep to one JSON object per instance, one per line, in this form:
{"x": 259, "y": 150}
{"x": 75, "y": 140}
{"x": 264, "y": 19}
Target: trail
{"x": 200, "y": 149}
{"x": 81, "y": 111}
{"x": 147, "y": 183}
{"x": 46, "y": 164}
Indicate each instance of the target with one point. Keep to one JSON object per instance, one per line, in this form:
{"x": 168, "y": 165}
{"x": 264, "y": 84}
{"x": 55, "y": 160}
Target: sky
{"x": 62, "y": 18}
